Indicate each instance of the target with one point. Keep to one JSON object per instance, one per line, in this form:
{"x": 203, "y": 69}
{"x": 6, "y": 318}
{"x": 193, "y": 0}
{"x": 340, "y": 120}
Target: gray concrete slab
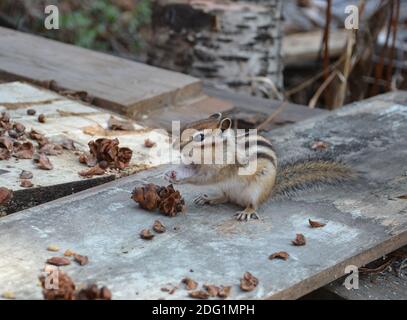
{"x": 365, "y": 220}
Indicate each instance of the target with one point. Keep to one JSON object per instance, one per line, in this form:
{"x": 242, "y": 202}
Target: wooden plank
{"x": 299, "y": 48}
{"x": 247, "y": 110}
{"x": 365, "y": 220}
{"x": 67, "y": 119}
{"x": 246, "y": 106}
{"x": 123, "y": 85}
{"x": 387, "y": 285}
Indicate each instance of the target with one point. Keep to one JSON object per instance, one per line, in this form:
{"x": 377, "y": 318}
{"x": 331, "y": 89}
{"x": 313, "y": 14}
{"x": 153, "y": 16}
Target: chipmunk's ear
{"x": 225, "y": 124}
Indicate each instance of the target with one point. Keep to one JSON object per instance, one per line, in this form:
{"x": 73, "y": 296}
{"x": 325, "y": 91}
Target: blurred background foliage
{"x": 107, "y": 25}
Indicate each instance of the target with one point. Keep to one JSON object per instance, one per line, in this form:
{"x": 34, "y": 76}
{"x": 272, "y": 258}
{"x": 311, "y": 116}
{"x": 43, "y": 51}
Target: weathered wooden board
{"x": 384, "y": 287}
{"x": 67, "y": 119}
{"x": 365, "y": 220}
{"x": 388, "y": 285}
{"x": 304, "y": 47}
{"x": 247, "y": 110}
{"x": 246, "y": 106}
{"x": 123, "y": 85}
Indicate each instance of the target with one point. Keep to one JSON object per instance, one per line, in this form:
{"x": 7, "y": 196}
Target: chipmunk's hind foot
{"x": 207, "y": 200}
{"x": 247, "y": 214}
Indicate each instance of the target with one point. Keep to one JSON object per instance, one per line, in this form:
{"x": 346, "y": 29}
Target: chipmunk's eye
{"x": 199, "y": 137}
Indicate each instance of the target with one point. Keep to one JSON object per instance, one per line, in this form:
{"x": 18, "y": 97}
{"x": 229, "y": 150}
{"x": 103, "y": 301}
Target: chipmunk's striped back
{"x": 256, "y": 148}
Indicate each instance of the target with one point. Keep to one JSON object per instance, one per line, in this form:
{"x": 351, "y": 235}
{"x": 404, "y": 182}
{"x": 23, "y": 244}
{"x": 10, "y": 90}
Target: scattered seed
{"x": 68, "y": 253}
{"x": 299, "y": 240}
{"x": 189, "y": 283}
{"x": 41, "y": 118}
{"x": 279, "y": 255}
{"x": 26, "y": 183}
{"x": 146, "y": 234}
{"x": 316, "y": 224}
{"x": 211, "y": 289}
{"x": 26, "y": 175}
{"x": 199, "y": 294}
{"x": 5, "y": 195}
{"x": 159, "y": 227}
{"x": 248, "y": 282}
{"x": 82, "y": 260}
{"x": 149, "y": 144}
{"x": 319, "y": 145}
{"x": 170, "y": 289}
{"x": 31, "y": 112}
{"x": 53, "y": 248}
{"x": 59, "y": 261}
{"x": 224, "y": 291}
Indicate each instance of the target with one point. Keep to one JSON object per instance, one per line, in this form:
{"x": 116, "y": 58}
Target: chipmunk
{"x": 253, "y": 175}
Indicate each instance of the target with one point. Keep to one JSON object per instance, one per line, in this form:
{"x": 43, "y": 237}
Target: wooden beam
{"x": 364, "y": 220}
{"x": 115, "y": 83}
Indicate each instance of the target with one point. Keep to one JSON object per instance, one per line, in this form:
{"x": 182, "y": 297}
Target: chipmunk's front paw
{"x": 171, "y": 176}
{"x": 246, "y": 215}
{"x": 202, "y": 200}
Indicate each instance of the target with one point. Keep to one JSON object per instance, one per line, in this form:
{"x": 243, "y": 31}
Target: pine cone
{"x": 166, "y": 199}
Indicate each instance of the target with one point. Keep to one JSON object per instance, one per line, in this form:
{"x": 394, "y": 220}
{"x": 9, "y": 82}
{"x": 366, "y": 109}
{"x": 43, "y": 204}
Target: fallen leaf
{"x": 189, "y": 283}
{"x": 158, "y": 227}
{"x": 299, "y": 240}
{"x": 316, "y": 224}
{"x": 146, "y": 234}
{"x": 116, "y": 124}
{"x": 199, "y": 294}
{"x": 279, "y": 255}
{"x": 82, "y": 260}
{"x": 149, "y": 144}
{"x": 248, "y": 282}
{"x": 26, "y": 183}
{"x": 26, "y": 175}
{"x": 43, "y": 162}
{"x": 5, "y": 195}
{"x": 59, "y": 261}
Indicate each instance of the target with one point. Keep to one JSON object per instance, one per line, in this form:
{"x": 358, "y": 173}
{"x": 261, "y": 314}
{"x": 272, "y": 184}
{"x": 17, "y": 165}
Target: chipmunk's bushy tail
{"x": 310, "y": 173}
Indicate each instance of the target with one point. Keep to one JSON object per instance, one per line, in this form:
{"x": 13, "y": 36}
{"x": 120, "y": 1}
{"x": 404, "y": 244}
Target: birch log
{"x": 226, "y": 43}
